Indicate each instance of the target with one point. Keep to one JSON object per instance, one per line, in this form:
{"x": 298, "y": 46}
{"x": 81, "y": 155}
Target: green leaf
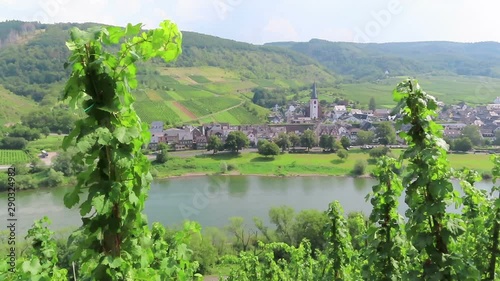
{"x": 71, "y": 198}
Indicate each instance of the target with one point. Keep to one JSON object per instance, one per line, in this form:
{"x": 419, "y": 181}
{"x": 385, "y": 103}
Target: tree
{"x": 53, "y": 178}
{"x": 63, "y": 163}
{"x": 24, "y": 132}
{"x": 310, "y": 224}
{"x": 283, "y": 217}
{"x": 473, "y": 133}
{"x": 345, "y": 141}
{"x": 241, "y": 233}
{"x": 308, "y": 139}
{"x": 13, "y": 143}
{"x": 162, "y": 155}
{"x": 372, "y": 105}
{"x": 236, "y": 140}
{"x": 325, "y": 142}
{"x": 385, "y": 133}
{"x": 294, "y": 139}
{"x": 462, "y": 144}
{"x": 283, "y": 141}
{"x": 342, "y": 154}
{"x": 268, "y": 148}
{"x": 497, "y": 138}
{"x": 214, "y": 143}
{"x": 365, "y": 137}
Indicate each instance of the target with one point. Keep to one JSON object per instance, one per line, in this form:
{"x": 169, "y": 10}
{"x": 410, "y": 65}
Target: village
{"x": 340, "y": 121}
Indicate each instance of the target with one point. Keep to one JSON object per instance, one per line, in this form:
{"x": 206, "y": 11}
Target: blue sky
{"x": 260, "y": 21}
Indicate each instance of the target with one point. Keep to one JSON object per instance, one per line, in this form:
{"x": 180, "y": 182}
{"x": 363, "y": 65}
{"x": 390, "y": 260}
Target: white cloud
{"x": 280, "y": 29}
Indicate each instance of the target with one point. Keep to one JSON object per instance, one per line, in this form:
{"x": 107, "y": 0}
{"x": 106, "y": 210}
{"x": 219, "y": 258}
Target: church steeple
{"x": 313, "y": 103}
{"x": 314, "y": 94}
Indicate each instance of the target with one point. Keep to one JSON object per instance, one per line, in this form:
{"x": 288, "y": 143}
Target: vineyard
{"x": 9, "y": 157}
{"x": 202, "y": 107}
{"x": 244, "y": 116}
{"x": 153, "y": 111}
{"x": 199, "y": 79}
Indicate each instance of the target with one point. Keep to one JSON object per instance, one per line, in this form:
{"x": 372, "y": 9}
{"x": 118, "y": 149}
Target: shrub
{"x": 223, "y": 167}
{"x": 342, "y": 154}
{"x": 360, "y": 168}
{"x": 379, "y": 151}
{"x": 232, "y": 167}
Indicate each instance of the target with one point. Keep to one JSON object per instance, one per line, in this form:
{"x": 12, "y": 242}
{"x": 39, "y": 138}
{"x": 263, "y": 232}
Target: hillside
{"x": 368, "y": 62}
{"x": 210, "y": 82}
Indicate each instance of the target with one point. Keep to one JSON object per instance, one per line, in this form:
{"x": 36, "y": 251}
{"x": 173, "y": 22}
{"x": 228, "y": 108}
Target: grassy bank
{"x": 289, "y": 164}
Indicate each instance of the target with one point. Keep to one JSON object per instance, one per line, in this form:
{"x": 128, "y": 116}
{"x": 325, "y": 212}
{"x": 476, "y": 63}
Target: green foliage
{"x": 345, "y": 141}
{"x": 365, "y": 137}
{"x": 342, "y": 154}
{"x": 13, "y": 143}
{"x": 360, "y": 168}
{"x": 118, "y": 244}
{"x": 387, "y": 250}
{"x": 385, "y": 133}
{"x": 54, "y": 119}
{"x": 372, "y": 105}
{"x": 8, "y": 157}
{"x": 429, "y": 190}
{"x": 294, "y": 139}
{"x": 369, "y": 62}
{"x": 53, "y": 178}
{"x": 162, "y": 155}
{"x": 236, "y": 140}
{"x": 308, "y": 139}
{"x": 462, "y": 144}
{"x": 267, "y": 148}
{"x": 267, "y": 98}
{"x": 24, "y": 132}
{"x": 214, "y": 143}
{"x": 283, "y": 141}
{"x": 379, "y": 151}
{"x": 473, "y": 133}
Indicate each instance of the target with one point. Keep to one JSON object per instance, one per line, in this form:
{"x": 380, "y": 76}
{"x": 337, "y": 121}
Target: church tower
{"x": 314, "y": 104}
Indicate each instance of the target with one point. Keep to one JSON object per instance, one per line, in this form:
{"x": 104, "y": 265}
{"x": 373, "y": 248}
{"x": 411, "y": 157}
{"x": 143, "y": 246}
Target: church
{"x": 314, "y": 104}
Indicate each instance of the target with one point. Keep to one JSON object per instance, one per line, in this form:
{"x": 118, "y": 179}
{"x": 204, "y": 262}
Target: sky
{"x": 261, "y": 21}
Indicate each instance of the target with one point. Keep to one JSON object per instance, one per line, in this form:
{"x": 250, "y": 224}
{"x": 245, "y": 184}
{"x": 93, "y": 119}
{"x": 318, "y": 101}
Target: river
{"x": 210, "y": 200}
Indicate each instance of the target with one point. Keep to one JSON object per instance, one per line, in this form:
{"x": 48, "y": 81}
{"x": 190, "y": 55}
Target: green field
{"x": 9, "y": 157}
{"x": 199, "y": 79}
{"x": 150, "y": 111}
{"x": 449, "y": 89}
{"x": 295, "y": 164}
{"x": 202, "y": 107}
{"x": 12, "y": 106}
{"x": 49, "y": 143}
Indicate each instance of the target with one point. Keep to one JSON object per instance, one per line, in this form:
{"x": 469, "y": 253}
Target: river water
{"x": 210, "y": 200}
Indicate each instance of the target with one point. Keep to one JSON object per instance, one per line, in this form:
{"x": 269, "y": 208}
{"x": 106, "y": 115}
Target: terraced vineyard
{"x": 9, "y": 157}
{"x": 150, "y": 111}
{"x": 202, "y": 107}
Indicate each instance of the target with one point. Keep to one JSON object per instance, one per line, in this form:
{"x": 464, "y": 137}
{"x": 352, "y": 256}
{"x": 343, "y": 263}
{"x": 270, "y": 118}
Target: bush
{"x": 342, "y": 154}
{"x": 379, "y": 151}
{"x": 232, "y": 167}
{"x": 360, "y": 168}
{"x": 223, "y": 167}
{"x": 13, "y": 143}
{"x": 54, "y": 178}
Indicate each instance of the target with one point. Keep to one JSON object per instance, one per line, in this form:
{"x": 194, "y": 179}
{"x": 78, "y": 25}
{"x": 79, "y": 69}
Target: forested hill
{"x": 211, "y": 81}
{"x": 371, "y": 61}
{"x": 32, "y": 57}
